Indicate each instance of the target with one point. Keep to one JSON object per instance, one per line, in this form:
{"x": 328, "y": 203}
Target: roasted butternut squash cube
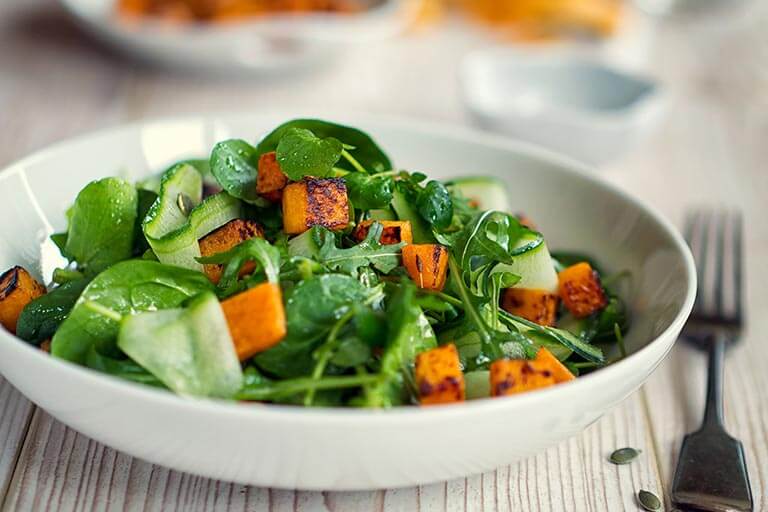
{"x": 581, "y": 290}
{"x": 17, "y": 289}
{"x": 225, "y": 238}
{"x": 537, "y": 306}
{"x": 427, "y": 264}
{"x": 512, "y": 376}
{"x": 394, "y": 232}
{"x": 439, "y": 378}
{"x": 270, "y": 181}
{"x": 315, "y": 202}
{"x": 256, "y": 319}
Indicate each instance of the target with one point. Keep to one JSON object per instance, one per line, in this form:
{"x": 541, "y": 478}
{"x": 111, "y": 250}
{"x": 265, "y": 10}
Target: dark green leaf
{"x": 368, "y": 192}
{"x": 146, "y": 199}
{"x": 121, "y": 368}
{"x": 301, "y": 153}
{"x": 435, "y": 205}
{"x": 366, "y": 152}
{"x": 235, "y": 164}
{"x": 102, "y": 224}
{"x": 41, "y": 317}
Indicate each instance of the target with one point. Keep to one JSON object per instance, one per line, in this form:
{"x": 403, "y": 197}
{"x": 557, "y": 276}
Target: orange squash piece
{"x": 315, "y": 202}
{"x": 17, "y": 289}
{"x": 394, "y": 232}
{"x": 270, "y": 180}
{"x": 537, "y": 306}
{"x": 512, "y": 376}
{"x": 581, "y": 291}
{"x": 256, "y": 319}
{"x": 439, "y": 378}
{"x": 225, "y": 238}
{"x": 427, "y": 264}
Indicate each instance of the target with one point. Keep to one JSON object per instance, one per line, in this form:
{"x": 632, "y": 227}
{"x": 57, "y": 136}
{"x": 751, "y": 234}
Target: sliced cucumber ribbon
{"x": 179, "y": 217}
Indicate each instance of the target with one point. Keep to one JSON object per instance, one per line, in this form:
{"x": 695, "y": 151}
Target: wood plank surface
{"x": 710, "y": 148}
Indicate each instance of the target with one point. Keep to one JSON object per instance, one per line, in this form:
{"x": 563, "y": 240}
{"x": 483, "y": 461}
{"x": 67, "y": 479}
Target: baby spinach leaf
{"x": 189, "y": 350}
{"x": 435, "y": 205}
{"x": 369, "y": 192}
{"x": 409, "y": 335}
{"x": 146, "y": 198}
{"x": 126, "y": 287}
{"x": 40, "y": 318}
{"x": 366, "y": 152}
{"x": 312, "y": 308}
{"x": 102, "y": 224}
{"x": 302, "y": 153}
{"x": 370, "y": 251}
{"x": 235, "y": 165}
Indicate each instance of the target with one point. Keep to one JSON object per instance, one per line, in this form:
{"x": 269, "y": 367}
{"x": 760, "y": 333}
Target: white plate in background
{"x": 253, "y": 46}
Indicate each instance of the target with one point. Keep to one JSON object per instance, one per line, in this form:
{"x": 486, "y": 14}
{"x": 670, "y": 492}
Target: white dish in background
{"x": 569, "y": 103}
{"x": 256, "y": 46}
{"x": 294, "y": 447}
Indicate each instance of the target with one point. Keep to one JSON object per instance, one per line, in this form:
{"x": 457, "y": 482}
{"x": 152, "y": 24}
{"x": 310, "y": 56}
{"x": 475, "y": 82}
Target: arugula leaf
{"x": 370, "y": 251}
{"x": 367, "y": 153}
{"x": 235, "y": 165}
{"x": 312, "y": 308}
{"x": 409, "y": 335}
{"x": 565, "y": 338}
{"x": 40, "y": 319}
{"x": 435, "y": 205}
{"x": 127, "y": 287}
{"x": 258, "y": 250}
{"x": 102, "y": 224}
{"x": 369, "y": 192}
{"x": 301, "y": 153}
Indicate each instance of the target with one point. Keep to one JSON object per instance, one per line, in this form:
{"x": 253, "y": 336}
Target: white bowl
{"x": 292, "y": 447}
{"x": 261, "y": 45}
{"x": 563, "y": 101}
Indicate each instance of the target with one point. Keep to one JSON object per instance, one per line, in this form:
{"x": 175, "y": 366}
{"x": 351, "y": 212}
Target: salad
{"x": 310, "y": 270}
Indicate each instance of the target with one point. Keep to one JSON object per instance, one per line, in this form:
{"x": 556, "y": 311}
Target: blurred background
{"x": 593, "y": 79}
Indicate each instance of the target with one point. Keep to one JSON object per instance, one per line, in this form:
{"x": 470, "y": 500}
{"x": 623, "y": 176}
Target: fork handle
{"x": 713, "y": 414}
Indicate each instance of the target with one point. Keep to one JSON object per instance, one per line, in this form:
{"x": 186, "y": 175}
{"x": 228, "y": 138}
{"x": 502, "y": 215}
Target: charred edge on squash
{"x": 12, "y": 277}
{"x": 323, "y": 199}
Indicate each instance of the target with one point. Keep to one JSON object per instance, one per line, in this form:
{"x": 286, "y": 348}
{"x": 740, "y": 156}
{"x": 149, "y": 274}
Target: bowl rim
{"x": 331, "y": 416}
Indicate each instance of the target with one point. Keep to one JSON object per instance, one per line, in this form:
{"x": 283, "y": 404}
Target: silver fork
{"x": 711, "y": 471}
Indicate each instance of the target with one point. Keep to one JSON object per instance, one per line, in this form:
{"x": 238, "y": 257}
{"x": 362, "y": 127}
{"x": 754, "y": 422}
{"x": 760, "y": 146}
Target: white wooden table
{"x": 713, "y": 148}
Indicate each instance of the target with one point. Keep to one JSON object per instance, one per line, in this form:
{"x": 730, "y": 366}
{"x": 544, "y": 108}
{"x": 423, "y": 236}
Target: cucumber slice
{"x": 383, "y": 214}
{"x": 489, "y": 193}
{"x": 419, "y": 227}
{"x": 478, "y": 384}
{"x": 536, "y": 269}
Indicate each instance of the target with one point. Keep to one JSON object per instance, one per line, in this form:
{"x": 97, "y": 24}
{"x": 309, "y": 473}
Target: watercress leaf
{"x": 301, "y": 153}
{"x": 435, "y": 205}
{"x": 235, "y": 165}
{"x": 40, "y": 318}
{"x": 102, "y": 224}
{"x": 60, "y": 241}
{"x": 189, "y": 350}
{"x": 351, "y": 352}
{"x": 366, "y": 152}
{"x": 370, "y": 251}
{"x": 312, "y": 307}
{"x": 126, "y": 287}
{"x": 369, "y": 192}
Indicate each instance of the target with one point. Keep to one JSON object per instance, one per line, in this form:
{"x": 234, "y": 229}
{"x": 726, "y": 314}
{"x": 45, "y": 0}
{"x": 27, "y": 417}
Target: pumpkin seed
{"x": 185, "y": 204}
{"x": 649, "y": 501}
{"x": 624, "y": 455}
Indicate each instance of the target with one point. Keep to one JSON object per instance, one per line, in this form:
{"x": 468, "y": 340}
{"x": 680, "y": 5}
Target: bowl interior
{"x": 572, "y": 209}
